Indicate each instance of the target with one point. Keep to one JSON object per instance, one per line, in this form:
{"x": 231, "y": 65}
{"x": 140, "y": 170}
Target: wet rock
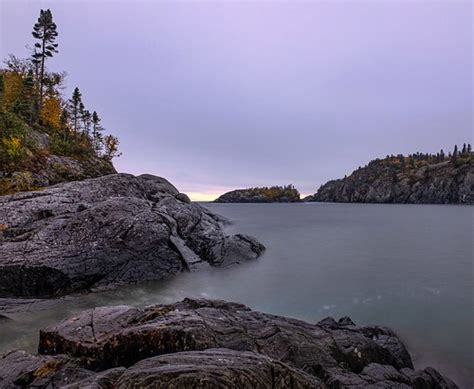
{"x": 213, "y": 344}
{"x": 101, "y": 232}
{"x": 215, "y": 368}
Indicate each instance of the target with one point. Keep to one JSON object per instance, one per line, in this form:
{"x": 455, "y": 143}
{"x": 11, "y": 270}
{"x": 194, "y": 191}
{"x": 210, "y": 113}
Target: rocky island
{"x": 212, "y": 344}
{"x": 416, "y": 179}
{"x": 274, "y": 194}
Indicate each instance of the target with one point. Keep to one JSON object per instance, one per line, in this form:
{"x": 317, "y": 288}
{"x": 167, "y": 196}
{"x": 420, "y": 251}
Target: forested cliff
{"x": 418, "y": 178}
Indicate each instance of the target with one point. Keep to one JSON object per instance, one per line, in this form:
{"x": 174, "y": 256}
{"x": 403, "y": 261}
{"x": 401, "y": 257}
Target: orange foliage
{"x": 51, "y": 112}
{"x": 12, "y": 84}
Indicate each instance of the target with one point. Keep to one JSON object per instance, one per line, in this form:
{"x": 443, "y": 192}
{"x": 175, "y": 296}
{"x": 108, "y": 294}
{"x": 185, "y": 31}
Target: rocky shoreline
{"x": 98, "y": 233}
{"x": 385, "y": 181}
{"x": 212, "y": 344}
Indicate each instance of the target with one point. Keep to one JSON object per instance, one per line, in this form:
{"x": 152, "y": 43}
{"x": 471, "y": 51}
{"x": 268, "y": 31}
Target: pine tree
{"x": 86, "y": 121}
{"x": 455, "y": 152}
{"x": 469, "y": 148}
{"x": 96, "y": 132}
{"x": 464, "y": 149}
{"x": 441, "y": 155}
{"x": 64, "y": 122}
{"x": 45, "y": 31}
{"x": 75, "y": 103}
{"x": 23, "y": 105}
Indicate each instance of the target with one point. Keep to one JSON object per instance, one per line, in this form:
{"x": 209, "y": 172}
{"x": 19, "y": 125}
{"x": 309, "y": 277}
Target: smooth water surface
{"x": 405, "y": 266}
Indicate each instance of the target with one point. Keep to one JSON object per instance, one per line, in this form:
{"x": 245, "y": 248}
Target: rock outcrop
{"x": 100, "y": 232}
{"x": 447, "y": 182}
{"x": 213, "y": 344}
{"x": 43, "y": 168}
{"x": 274, "y": 194}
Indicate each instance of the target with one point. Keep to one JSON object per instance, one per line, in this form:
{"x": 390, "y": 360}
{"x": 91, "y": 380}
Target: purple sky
{"x": 222, "y": 95}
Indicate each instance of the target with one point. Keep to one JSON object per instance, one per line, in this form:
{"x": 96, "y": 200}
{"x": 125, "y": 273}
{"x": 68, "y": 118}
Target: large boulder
{"x": 213, "y": 344}
{"x": 101, "y": 232}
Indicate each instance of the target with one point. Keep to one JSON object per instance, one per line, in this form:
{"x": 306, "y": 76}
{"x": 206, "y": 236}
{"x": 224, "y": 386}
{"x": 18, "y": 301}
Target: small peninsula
{"x": 416, "y": 179}
{"x": 274, "y": 194}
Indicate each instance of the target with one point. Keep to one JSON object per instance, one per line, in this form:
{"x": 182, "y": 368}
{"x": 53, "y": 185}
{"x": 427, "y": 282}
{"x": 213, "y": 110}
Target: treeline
{"x": 413, "y": 161}
{"x": 276, "y": 192}
{"x": 31, "y": 98}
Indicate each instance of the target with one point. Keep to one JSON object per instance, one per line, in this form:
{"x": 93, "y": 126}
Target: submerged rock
{"x": 213, "y": 344}
{"x": 100, "y": 232}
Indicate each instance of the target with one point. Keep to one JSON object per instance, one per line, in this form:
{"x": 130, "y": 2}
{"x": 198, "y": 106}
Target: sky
{"x": 219, "y": 95}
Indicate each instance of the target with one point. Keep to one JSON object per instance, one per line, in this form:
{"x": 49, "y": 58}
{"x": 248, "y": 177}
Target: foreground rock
{"x": 113, "y": 229}
{"x": 274, "y": 194}
{"x": 390, "y": 181}
{"x": 213, "y": 344}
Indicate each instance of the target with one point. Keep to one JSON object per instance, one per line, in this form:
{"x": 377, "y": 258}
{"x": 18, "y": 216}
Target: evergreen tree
{"x": 469, "y": 148}
{"x": 442, "y": 155}
{"x": 45, "y": 31}
{"x": 86, "y": 121}
{"x": 75, "y": 103}
{"x": 81, "y": 114}
{"x": 455, "y": 152}
{"x": 64, "y": 120}
{"x": 23, "y": 105}
{"x": 464, "y": 149}
{"x": 96, "y": 132}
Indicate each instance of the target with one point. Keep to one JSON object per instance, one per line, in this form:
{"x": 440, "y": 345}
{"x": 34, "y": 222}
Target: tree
{"x": 86, "y": 121}
{"x": 469, "y": 148}
{"x": 64, "y": 121}
{"x": 464, "y": 149}
{"x": 45, "y": 31}
{"x": 51, "y": 112}
{"x": 75, "y": 103}
{"x": 111, "y": 147}
{"x": 441, "y": 155}
{"x": 96, "y": 132}
{"x": 23, "y": 105}
{"x": 455, "y": 152}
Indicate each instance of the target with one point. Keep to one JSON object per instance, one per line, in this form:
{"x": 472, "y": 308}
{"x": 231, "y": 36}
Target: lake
{"x": 409, "y": 267}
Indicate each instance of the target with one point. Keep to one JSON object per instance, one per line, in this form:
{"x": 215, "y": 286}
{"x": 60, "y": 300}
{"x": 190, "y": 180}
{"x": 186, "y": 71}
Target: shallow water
{"x": 405, "y": 266}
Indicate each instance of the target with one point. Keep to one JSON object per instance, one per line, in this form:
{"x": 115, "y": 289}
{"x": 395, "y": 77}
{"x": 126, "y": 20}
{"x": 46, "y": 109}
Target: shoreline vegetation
{"x": 46, "y": 137}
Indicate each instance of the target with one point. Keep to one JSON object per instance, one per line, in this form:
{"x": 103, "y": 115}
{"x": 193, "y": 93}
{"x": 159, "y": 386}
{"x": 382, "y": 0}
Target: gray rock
{"x": 441, "y": 183}
{"x": 101, "y": 232}
{"x": 212, "y": 344}
{"x": 183, "y": 197}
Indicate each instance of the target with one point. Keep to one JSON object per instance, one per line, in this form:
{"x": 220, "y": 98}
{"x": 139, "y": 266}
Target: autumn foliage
{"x": 37, "y": 119}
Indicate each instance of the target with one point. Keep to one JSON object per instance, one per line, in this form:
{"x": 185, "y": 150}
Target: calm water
{"x": 409, "y": 267}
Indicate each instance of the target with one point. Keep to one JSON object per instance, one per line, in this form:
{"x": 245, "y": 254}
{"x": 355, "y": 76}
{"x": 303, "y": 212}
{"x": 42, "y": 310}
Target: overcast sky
{"x": 222, "y": 95}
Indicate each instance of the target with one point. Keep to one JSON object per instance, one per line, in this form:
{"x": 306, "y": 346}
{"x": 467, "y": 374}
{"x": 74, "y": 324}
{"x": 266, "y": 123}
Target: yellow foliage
{"x": 12, "y": 84}
{"x": 51, "y": 112}
{"x": 13, "y": 147}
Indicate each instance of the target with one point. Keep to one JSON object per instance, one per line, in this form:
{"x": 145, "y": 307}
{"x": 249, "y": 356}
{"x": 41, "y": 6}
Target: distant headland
{"x": 416, "y": 179}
